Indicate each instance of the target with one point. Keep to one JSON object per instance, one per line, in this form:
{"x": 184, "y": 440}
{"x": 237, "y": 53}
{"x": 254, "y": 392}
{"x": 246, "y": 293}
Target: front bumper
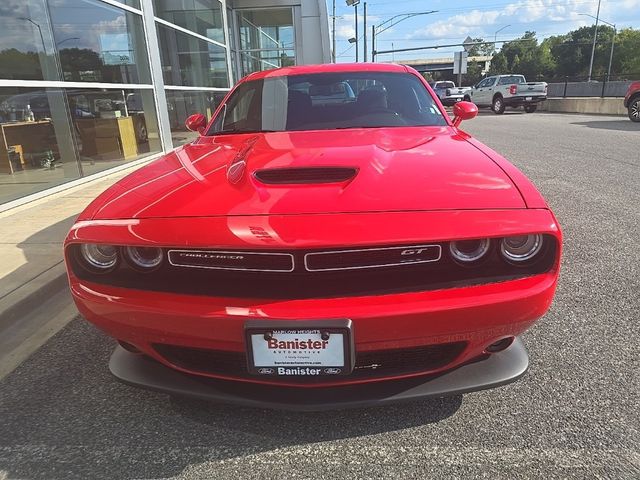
{"x": 496, "y": 370}
{"x": 519, "y": 101}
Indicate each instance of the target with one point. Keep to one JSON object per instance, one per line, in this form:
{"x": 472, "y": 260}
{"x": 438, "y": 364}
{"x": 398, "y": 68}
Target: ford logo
{"x": 266, "y": 371}
{"x": 332, "y": 371}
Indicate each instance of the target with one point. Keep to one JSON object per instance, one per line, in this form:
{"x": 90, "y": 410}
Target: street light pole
{"x": 593, "y": 48}
{"x": 364, "y": 28}
{"x": 378, "y": 30}
{"x": 354, "y": 3}
{"x": 333, "y": 29}
{"x": 44, "y": 49}
{"x": 613, "y": 41}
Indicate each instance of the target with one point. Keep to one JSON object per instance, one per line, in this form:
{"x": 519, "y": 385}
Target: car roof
{"x": 328, "y": 68}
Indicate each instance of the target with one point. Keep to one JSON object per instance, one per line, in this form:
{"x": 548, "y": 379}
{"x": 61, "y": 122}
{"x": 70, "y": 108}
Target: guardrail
{"x": 605, "y": 86}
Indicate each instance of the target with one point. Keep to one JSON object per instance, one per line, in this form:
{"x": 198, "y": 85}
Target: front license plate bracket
{"x": 310, "y": 347}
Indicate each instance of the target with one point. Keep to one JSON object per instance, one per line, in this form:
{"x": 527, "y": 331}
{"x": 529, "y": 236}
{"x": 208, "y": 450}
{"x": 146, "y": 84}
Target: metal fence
{"x": 616, "y": 86}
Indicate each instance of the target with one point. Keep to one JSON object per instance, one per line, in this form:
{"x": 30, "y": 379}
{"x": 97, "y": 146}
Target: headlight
{"x": 467, "y": 251}
{"x": 98, "y": 258}
{"x": 521, "y": 248}
{"x": 144, "y": 258}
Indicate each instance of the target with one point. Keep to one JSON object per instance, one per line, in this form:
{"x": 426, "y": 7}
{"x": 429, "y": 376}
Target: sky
{"x": 454, "y": 21}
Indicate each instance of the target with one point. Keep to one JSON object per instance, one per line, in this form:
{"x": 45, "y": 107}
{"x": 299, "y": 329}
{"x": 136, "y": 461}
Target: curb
{"x": 21, "y": 301}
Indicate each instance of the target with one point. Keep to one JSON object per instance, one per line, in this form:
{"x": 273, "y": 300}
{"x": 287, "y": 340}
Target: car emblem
{"x": 332, "y": 371}
{"x": 266, "y": 371}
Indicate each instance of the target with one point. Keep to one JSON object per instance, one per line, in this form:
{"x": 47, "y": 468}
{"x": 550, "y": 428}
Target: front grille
{"x": 372, "y": 364}
{"x": 317, "y": 273}
{"x": 289, "y": 176}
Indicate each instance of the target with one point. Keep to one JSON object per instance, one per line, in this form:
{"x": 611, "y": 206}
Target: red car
{"x": 632, "y": 101}
{"x": 311, "y": 255}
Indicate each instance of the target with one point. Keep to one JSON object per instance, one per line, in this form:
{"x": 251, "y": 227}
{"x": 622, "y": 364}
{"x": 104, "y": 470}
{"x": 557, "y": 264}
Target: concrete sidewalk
{"x": 32, "y": 273}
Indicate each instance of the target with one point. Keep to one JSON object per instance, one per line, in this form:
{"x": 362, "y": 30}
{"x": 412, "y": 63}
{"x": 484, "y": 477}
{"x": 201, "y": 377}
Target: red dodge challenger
{"x": 331, "y": 239}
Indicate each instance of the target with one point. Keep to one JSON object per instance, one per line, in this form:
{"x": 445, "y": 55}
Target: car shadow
{"x": 620, "y": 125}
{"x": 68, "y": 418}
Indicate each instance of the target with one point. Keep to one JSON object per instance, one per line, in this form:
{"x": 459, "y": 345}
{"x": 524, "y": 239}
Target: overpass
{"x": 439, "y": 64}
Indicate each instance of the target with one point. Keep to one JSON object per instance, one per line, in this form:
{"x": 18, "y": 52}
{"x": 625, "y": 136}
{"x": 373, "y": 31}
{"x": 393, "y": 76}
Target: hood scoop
{"x": 305, "y": 175}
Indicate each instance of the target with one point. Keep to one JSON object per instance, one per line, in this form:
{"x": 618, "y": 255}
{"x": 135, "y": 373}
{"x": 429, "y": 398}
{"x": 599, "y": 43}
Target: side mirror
{"x": 463, "y": 111}
{"x": 196, "y": 122}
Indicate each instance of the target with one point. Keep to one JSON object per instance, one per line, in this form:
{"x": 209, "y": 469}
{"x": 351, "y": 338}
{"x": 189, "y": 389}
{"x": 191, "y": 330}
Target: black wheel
{"x": 634, "y": 109}
{"x": 498, "y": 105}
{"x": 530, "y": 108}
{"x": 466, "y": 98}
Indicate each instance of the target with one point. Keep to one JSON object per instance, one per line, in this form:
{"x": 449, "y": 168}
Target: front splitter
{"x": 496, "y": 370}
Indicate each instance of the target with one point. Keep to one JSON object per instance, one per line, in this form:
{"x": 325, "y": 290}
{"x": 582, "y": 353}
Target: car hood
{"x": 398, "y": 169}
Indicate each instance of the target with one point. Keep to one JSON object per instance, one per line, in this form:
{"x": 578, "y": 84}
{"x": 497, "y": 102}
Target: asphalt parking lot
{"x": 574, "y": 415}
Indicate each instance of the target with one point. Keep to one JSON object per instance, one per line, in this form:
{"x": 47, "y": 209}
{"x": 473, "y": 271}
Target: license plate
{"x": 299, "y": 348}
{"x": 528, "y": 99}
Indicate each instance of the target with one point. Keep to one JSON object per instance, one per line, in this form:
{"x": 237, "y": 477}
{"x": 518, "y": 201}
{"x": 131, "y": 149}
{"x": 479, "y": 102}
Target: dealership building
{"x": 91, "y": 86}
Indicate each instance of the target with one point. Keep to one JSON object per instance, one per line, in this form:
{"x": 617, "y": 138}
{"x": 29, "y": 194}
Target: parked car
{"x": 500, "y": 91}
{"x": 309, "y": 257}
{"x": 448, "y": 93}
{"x": 632, "y": 101}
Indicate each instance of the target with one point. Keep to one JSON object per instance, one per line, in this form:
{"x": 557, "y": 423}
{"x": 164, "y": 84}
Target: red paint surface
{"x": 414, "y": 185}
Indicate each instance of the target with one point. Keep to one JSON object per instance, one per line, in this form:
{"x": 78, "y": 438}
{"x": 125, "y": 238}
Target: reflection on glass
{"x": 200, "y": 16}
{"x": 36, "y": 144}
{"x": 265, "y": 59}
{"x": 113, "y": 126}
{"x": 131, "y": 3}
{"x": 49, "y": 136}
{"x": 266, "y": 29}
{"x": 189, "y": 61}
{"x": 97, "y": 42}
{"x": 182, "y": 104}
{"x": 76, "y": 40}
{"x": 26, "y": 41}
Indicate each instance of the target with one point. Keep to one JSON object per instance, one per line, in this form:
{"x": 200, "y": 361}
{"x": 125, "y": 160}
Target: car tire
{"x": 498, "y": 105}
{"x": 530, "y": 108}
{"x": 466, "y": 98}
{"x": 634, "y": 109}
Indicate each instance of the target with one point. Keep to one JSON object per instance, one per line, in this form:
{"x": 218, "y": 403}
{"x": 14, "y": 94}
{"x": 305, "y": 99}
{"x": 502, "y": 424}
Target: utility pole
{"x": 373, "y": 43}
{"x": 356, "y": 10}
{"x": 365, "y": 32}
{"x": 333, "y": 28}
{"x": 593, "y": 48}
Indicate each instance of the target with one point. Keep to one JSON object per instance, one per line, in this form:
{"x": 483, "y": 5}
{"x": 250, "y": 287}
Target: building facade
{"x": 87, "y": 86}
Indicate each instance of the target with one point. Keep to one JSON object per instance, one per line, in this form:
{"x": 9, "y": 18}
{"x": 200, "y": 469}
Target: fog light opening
{"x": 129, "y": 347}
{"x": 500, "y": 345}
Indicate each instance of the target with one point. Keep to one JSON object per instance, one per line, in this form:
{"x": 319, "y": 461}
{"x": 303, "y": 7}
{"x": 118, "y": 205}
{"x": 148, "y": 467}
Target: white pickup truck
{"x": 500, "y": 91}
{"x": 447, "y": 92}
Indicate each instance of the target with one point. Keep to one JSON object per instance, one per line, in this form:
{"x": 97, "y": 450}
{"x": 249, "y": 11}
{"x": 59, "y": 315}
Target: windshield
{"x": 326, "y": 101}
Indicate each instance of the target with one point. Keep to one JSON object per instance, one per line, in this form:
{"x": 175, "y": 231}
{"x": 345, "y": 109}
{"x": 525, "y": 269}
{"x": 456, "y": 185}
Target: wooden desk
{"x": 35, "y": 138}
{"x": 108, "y": 138}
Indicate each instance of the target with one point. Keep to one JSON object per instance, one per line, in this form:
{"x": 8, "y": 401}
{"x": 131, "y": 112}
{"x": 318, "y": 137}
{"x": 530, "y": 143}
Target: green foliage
{"x": 569, "y": 55}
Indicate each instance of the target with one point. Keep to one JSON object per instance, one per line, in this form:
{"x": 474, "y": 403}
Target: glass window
{"x": 266, "y": 29}
{"x": 26, "y": 41}
{"x": 97, "y": 42}
{"x": 328, "y": 101}
{"x": 113, "y": 126}
{"x": 37, "y": 150}
{"x": 200, "y": 16}
{"x": 190, "y": 61}
{"x": 181, "y": 104}
{"x": 255, "y": 61}
{"x": 131, "y": 3}
{"x": 266, "y": 39}
{"x": 511, "y": 79}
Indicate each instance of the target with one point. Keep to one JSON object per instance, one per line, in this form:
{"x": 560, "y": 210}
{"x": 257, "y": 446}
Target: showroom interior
{"x": 90, "y": 86}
